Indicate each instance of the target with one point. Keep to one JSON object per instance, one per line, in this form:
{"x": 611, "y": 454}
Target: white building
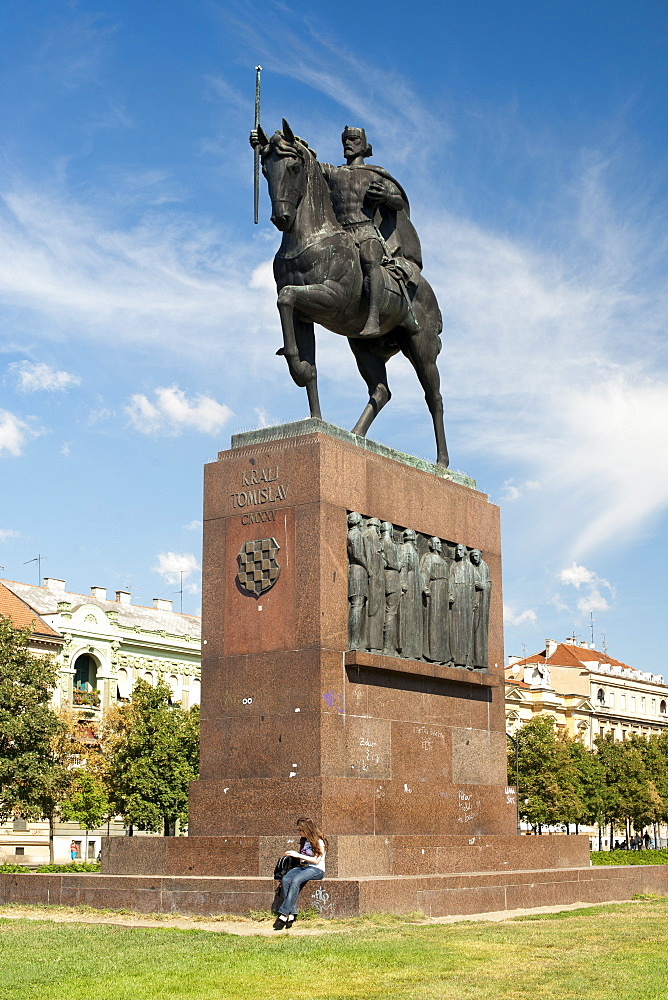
{"x": 101, "y": 648}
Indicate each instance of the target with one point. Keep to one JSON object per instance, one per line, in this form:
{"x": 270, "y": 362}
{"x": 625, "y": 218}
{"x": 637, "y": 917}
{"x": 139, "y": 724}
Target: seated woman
{"x": 312, "y": 850}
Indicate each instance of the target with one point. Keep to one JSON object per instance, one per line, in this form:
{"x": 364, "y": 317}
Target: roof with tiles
{"x": 571, "y": 655}
{"x": 21, "y": 614}
{"x": 45, "y": 601}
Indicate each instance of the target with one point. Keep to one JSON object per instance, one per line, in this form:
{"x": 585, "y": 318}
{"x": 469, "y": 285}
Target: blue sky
{"x": 136, "y": 291}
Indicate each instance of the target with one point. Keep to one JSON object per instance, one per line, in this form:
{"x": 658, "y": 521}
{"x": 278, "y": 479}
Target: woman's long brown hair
{"x": 311, "y": 833}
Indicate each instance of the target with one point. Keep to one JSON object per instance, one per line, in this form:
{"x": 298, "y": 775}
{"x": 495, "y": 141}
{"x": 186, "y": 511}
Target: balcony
{"x": 89, "y": 699}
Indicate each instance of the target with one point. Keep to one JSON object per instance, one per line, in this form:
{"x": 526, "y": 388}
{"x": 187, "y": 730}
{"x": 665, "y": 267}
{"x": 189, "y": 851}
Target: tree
{"x": 548, "y": 778}
{"x": 32, "y": 777}
{"x": 590, "y": 778}
{"x": 86, "y": 801}
{"x": 152, "y": 750}
{"x": 629, "y": 794}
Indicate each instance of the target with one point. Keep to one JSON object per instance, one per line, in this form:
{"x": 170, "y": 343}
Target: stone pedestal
{"x": 292, "y": 722}
{"x": 402, "y": 762}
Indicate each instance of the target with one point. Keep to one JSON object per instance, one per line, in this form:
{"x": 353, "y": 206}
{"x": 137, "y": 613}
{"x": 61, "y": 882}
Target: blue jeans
{"x": 292, "y": 883}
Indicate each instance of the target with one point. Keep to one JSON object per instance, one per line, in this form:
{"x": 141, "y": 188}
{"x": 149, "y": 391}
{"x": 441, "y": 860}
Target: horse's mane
{"x": 282, "y": 147}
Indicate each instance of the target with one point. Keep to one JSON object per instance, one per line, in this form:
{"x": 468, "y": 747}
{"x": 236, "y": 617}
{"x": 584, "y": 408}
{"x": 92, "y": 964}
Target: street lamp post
{"x": 516, "y": 744}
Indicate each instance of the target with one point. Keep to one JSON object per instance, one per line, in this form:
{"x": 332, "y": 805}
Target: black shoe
{"x": 279, "y": 924}
{"x": 290, "y": 921}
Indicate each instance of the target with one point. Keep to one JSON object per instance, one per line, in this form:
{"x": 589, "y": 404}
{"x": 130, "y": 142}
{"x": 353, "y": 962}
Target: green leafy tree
{"x": 629, "y": 793}
{"x": 87, "y": 803}
{"x": 548, "y": 778}
{"x": 33, "y": 777}
{"x": 590, "y": 780}
{"x": 152, "y": 750}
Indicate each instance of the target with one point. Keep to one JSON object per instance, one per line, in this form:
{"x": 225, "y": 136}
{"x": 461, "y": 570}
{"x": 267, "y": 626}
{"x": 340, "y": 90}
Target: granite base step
{"x": 433, "y": 895}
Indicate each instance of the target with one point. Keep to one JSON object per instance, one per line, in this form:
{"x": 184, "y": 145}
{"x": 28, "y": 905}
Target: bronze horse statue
{"x": 319, "y": 280}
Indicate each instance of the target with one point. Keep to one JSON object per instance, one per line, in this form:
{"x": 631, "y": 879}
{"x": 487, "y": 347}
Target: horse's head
{"x": 284, "y": 164}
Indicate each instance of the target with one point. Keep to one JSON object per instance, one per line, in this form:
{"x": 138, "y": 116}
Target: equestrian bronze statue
{"x": 350, "y": 260}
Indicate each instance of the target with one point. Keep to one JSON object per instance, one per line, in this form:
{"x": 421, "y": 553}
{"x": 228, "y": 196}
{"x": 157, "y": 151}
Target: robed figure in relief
{"x": 461, "y": 608}
{"x": 410, "y": 604}
{"x": 358, "y": 581}
{"x": 373, "y": 555}
{"x": 483, "y": 587}
{"x": 435, "y": 572}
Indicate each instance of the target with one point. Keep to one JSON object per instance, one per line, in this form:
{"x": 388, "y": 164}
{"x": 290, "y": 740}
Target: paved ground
{"x": 246, "y": 927}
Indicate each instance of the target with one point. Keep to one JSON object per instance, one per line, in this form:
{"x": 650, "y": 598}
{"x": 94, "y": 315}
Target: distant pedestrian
{"x": 647, "y": 840}
{"x": 74, "y": 850}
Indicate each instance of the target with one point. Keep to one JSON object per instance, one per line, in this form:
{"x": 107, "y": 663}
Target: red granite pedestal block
{"x": 401, "y": 762}
{"x": 293, "y": 723}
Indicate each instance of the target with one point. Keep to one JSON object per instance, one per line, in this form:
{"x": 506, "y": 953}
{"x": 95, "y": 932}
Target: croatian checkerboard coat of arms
{"x": 258, "y": 569}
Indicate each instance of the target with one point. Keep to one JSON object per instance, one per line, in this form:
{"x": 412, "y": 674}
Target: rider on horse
{"x": 372, "y": 206}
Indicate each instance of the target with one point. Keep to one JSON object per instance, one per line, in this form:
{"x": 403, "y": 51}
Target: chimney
{"x": 160, "y": 604}
{"x": 99, "y": 593}
{"x": 512, "y": 660}
{"x": 122, "y": 596}
{"x": 550, "y": 648}
{"x": 51, "y": 583}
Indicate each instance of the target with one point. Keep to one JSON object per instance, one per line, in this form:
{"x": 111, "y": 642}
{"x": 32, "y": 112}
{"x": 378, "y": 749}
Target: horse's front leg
{"x": 298, "y": 335}
{"x": 305, "y": 339}
{"x": 301, "y": 369}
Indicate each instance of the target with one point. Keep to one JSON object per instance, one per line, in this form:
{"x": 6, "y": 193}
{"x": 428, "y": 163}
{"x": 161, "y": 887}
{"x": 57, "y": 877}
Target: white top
{"x": 313, "y": 859}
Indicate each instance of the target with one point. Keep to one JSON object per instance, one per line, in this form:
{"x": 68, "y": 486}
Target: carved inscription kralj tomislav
{"x": 416, "y": 597}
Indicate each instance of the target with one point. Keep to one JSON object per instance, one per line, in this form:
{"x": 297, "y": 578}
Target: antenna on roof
{"x": 605, "y": 644}
{"x": 591, "y": 626}
{"x": 38, "y": 560}
{"x": 524, "y": 650}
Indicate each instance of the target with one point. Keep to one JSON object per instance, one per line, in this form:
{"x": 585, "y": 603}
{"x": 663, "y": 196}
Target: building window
{"x": 633, "y": 703}
{"x": 124, "y": 686}
{"x": 173, "y": 683}
{"x": 643, "y": 705}
{"x": 20, "y": 850}
{"x": 612, "y": 699}
{"x": 85, "y": 673}
{"x": 662, "y": 708}
{"x": 653, "y": 706}
{"x": 601, "y": 696}
{"x": 195, "y": 690}
{"x": 19, "y": 825}
{"x": 622, "y": 700}
{"x": 601, "y": 732}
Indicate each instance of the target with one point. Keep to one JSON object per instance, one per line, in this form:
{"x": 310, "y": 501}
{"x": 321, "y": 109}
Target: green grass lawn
{"x": 659, "y": 857}
{"x": 600, "y": 953}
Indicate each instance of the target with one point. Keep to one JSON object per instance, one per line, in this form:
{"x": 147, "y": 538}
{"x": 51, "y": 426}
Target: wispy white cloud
{"x": 194, "y": 525}
{"x": 230, "y": 96}
{"x": 15, "y": 433}
{"x": 6, "y": 533}
{"x": 172, "y": 412}
{"x": 33, "y": 376}
{"x": 513, "y": 490}
{"x": 513, "y": 617}
{"x": 173, "y": 279}
{"x": 171, "y": 565}
{"x": 592, "y": 586}
{"x": 380, "y": 99}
